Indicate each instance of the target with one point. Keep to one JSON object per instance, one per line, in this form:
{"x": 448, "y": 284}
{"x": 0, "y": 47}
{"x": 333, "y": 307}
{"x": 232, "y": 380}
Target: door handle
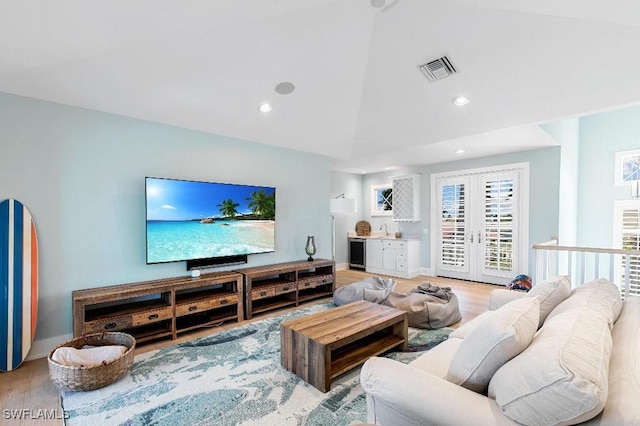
{"x": 479, "y": 237}
{"x": 471, "y": 236}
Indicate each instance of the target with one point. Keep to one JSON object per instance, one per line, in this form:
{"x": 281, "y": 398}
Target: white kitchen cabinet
{"x": 373, "y": 254}
{"x": 394, "y": 257}
{"x": 406, "y": 198}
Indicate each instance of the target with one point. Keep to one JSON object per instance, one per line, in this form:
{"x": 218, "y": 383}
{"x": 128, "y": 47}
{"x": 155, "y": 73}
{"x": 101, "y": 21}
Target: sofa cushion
{"x": 561, "y": 378}
{"x": 550, "y": 293}
{"x": 436, "y": 361}
{"x": 502, "y": 296}
{"x": 601, "y": 295}
{"x": 624, "y": 369}
{"x": 496, "y": 338}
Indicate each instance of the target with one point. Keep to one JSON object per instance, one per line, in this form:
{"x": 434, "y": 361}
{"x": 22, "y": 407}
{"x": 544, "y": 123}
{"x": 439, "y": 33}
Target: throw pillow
{"x": 562, "y": 377}
{"x": 495, "y": 339}
{"x": 550, "y": 293}
{"x": 600, "y": 294}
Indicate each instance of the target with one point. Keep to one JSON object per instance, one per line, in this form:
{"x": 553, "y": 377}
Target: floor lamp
{"x": 339, "y": 205}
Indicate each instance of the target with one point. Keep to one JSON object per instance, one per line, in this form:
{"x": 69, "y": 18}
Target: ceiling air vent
{"x": 437, "y": 69}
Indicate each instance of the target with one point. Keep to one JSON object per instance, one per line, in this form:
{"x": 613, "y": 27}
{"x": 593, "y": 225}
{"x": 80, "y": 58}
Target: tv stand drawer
{"x": 261, "y": 293}
{"x": 224, "y": 301}
{"x": 285, "y": 288}
{"x": 192, "y": 308}
{"x": 108, "y": 324}
{"x": 151, "y": 316}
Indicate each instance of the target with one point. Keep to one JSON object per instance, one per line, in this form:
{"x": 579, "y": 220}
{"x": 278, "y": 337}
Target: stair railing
{"x": 583, "y": 264}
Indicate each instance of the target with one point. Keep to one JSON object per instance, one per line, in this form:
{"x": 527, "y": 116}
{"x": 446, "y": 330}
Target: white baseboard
{"x": 427, "y": 271}
{"x": 41, "y": 348}
{"x": 342, "y": 266}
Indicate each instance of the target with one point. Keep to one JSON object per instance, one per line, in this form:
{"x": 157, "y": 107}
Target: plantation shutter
{"x": 498, "y": 229}
{"x": 453, "y": 223}
{"x": 631, "y": 241}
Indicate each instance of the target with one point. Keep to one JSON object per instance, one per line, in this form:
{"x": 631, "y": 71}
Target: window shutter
{"x": 631, "y": 241}
{"x": 498, "y": 224}
{"x": 453, "y": 225}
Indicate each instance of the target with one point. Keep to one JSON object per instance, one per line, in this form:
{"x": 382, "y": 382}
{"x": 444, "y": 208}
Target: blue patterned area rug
{"x": 229, "y": 378}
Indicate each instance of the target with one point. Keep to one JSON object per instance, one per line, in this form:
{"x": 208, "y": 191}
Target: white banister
{"x": 584, "y": 264}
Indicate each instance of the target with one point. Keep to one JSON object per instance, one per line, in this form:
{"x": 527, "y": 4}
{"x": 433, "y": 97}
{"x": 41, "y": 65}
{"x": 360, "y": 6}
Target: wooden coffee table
{"x": 321, "y": 346}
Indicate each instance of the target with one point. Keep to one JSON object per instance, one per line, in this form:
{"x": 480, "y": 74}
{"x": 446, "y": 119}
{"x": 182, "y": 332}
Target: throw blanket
{"x": 373, "y": 289}
{"x": 87, "y": 357}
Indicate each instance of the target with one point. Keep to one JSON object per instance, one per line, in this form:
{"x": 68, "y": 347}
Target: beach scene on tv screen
{"x": 196, "y": 220}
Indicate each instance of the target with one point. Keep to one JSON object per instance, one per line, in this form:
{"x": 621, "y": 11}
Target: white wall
{"x": 351, "y": 186}
{"x": 81, "y": 174}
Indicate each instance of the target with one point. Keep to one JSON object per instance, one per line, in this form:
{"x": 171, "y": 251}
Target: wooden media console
{"x": 159, "y": 308}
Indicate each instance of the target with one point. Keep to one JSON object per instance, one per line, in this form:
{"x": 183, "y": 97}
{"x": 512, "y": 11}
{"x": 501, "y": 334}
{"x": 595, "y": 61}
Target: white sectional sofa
{"x": 552, "y": 356}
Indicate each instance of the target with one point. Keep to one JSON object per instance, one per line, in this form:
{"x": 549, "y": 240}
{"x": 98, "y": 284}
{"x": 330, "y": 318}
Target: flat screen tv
{"x": 190, "y": 220}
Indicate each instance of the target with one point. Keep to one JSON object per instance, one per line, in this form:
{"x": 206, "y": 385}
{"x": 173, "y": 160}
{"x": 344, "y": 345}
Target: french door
{"x": 479, "y": 225}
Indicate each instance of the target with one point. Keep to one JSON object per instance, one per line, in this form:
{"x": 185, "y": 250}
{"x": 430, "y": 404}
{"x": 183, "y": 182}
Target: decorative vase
{"x": 310, "y": 248}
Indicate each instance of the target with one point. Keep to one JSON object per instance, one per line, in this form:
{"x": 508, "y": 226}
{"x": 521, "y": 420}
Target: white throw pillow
{"x": 562, "y": 377}
{"x": 550, "y": 293}
{"x": 601, "y": 295}
{"x": 495, "y": 339}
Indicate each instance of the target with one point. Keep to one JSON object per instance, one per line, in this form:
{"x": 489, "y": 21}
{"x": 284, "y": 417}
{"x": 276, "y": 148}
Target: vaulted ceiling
{"x": 359, "y": 97}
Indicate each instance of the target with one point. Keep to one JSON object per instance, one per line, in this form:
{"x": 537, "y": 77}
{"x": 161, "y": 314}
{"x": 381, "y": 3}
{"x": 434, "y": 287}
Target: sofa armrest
{"x": 398, "y": 394}
{"x": 503, "y": 296}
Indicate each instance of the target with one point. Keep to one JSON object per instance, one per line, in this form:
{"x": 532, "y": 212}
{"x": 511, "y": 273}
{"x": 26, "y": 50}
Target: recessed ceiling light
{"x": 460, "y": 100}
{"x": 265, "y": 107}
{"x": 460, "y": 151}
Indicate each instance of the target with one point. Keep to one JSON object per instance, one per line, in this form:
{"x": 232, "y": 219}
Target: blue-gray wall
{"x": 601, "y": 136}
{"x": 81, "y": 174}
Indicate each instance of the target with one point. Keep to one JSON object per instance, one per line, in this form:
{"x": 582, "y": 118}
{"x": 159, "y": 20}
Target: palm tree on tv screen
{"x": 263, "y": 205}
{"x": 228, "y": 208}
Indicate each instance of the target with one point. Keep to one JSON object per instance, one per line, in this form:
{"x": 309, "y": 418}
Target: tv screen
{"x": 189, "y": 220}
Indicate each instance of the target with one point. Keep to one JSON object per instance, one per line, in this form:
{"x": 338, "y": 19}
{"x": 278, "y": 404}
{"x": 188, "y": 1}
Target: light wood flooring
{"x": 29, "y": 387}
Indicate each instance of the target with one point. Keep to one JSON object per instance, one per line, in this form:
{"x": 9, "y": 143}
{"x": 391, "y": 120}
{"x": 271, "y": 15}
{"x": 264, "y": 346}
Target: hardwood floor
{"x": 29, "y": 392}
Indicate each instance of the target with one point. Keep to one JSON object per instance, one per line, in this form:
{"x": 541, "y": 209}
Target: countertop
{"x": 380, "y": 235}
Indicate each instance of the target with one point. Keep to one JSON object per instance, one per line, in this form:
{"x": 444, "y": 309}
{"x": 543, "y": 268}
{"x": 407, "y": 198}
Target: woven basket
{"x": 71, "y": 378}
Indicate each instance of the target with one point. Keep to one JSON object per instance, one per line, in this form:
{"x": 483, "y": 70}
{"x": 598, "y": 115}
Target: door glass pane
{"x": 453, "y": 224}
{"x": 498, "y": 224}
